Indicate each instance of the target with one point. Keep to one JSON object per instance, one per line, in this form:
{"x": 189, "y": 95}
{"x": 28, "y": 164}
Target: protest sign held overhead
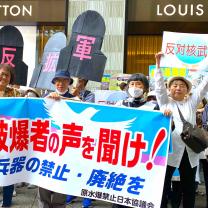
{"x": 185, "y": 54}
{"x": 11, "y": 52}
{"x": 45, "y": 71}
{"x": 185, "y": 50}
{"x": 83, "y": 57}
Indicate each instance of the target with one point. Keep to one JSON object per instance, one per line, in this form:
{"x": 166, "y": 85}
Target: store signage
{"x": 172, "y": 10}
{"x": 32, "y": 11}
{"x": 16, "y": 10}
{"x": 180, "y": 10}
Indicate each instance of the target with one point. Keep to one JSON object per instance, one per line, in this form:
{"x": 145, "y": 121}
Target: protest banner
{"x": 108, "y": 153}
{"x": 185, "y": 50}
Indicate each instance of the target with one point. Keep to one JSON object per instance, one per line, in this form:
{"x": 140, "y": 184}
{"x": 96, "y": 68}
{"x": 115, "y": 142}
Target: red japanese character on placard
{"x": 108, "y": 147}
{"x": 53, "y": 143}
{"x": 202, "y": 50}
{"x": 19, "y": 135}
{"x": 191, "y": 50}
{"x": 88, "y": 148}
{"x": 71, "y": 136}
{"x": 170, "y": 48}
{"x": 125, "y": 148}
{"x": 84, "y": 47}
{"x": 3, "y": 135}
{"x": 7, "y": 58}
{"x": 50, "y": 64}
{"x": 39, "y": 131}
{"x": 180, "y": 49}
{"x": 139, "y": 144}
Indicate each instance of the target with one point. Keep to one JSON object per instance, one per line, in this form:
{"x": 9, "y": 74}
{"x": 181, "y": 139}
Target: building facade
{"x": 37, "y": 20}
{"x": 134, "y": 28}
{"x": 147, "y": 19}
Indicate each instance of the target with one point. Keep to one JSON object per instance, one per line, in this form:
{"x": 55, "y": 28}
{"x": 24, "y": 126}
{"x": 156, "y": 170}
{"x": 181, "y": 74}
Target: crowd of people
{"x": 167, "y": 97}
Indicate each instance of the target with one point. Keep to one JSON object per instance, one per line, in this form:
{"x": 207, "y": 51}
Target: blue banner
{"x": 108, "y": 153}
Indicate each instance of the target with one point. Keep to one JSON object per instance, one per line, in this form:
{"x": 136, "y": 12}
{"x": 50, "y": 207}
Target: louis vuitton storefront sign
{"x": 16, "y": 10}
{"x": 180, "y": 10}
{"x": 32, "y": 11}
{"x": 168, "y": 10}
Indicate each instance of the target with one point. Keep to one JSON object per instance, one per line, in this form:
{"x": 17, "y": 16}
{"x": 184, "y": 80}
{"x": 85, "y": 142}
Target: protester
{"x": 137, "y": 88}
{"x": 47, "y": 198}
{"x": 32, "y": 92}
{"x": 176, "y": 193}
{"x": 151, "y": 96}
{"x": 86, "y": 96}
{"x": 62, "y": 82}
{"x": 181, "y": 157}
{"x": 204, "y": 160}
{"x": 6, "y": 79}
{"x": 176, "y": 189}
{"x": 79, "y": 90}
{"x": 123, "y": 86}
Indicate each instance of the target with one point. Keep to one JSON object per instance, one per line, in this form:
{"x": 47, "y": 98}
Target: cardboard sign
{"x": 185, "y": 50}
{"x": 11, "y": 52}
{"x": 82, "y": 57}
{"x": 45, "y": 71}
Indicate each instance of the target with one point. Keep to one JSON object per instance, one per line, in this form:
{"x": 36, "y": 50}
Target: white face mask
{"x": 61, "y": 93}
{"x": 135, "y": 92}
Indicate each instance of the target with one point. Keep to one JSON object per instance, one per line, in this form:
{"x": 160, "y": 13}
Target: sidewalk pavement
{"x": 27, "y": 198}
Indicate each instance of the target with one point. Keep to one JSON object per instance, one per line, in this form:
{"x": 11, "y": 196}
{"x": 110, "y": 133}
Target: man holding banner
{"x": 62, "y": 81}
{"x": 181, "y": 157}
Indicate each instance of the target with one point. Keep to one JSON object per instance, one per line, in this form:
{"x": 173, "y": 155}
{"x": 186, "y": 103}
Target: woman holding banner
{"x": 137, "y": 87}
{"x": 181, "y": 157}
{"x": 7, "y": 78}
